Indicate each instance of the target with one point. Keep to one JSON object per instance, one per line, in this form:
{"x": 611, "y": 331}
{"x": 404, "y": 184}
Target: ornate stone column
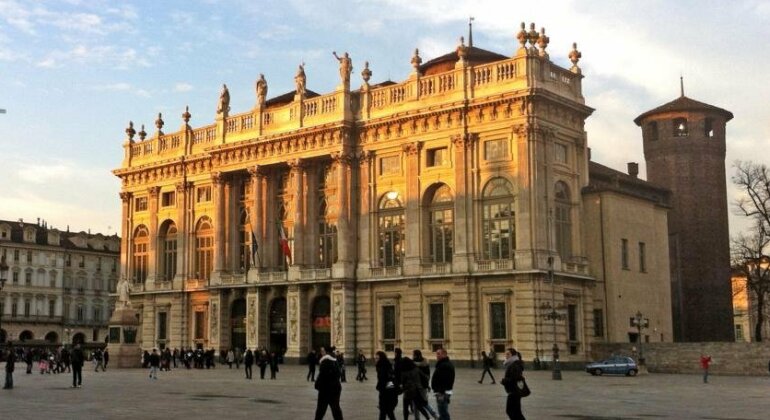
{"x": 343, "y": 268}
{"x": 366, "y": 210}
{"x": 219, "y": 225}
{"x": 463, "y": 145}
{"x": 343, "y": 317}
{"x": 256, "y": 215}
{"x": 296, "y": 332}
{"x": 215, "y": 319}
{"x": 152, "y": 260}
{"x": 126, "y": 233}
{"x": 233, "y": 224}
{"x": 182, "y": 253}
{"x": 252, "y": 317}
{"x": 297, "y": 172}
{"x": 413, "y": 219}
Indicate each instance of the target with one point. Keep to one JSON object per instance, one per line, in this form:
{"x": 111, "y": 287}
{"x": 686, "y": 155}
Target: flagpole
{"x": 255, "y": 254}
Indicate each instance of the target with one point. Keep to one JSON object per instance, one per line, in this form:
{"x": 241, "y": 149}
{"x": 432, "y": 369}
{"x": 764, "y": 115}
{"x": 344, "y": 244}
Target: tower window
{"x": 708, "y": 128}
{"x": 652, "y": 130}
{"x": 680, "y": 127}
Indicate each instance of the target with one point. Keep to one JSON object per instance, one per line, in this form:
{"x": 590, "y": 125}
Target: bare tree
{"x": 751, "y": 262}
{"x": 749, "y": 252}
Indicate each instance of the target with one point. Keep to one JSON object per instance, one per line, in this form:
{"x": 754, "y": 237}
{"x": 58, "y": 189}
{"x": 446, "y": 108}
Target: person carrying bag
{"x": 515, "y": 385}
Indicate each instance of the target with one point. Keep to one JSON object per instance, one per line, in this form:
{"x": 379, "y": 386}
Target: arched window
{"x": 141, "y": 243}
{"x": 204, "y": 249}
{"x": 244, "y": 241}
{"x": 327, "y": 236}
{"x": 680, "y": 127}
{"x": 563, "y": 220}
{"x": 168, "y": 245}
{"x": 390, "y": 233}
{"x": 498, "y": 220}
{"x": 441, "y": 225}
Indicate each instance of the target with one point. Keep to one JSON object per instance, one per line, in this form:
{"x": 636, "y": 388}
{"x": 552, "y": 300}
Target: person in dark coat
{"x": 106, "y": 357}
{"x": 263, "y": 362}
{"x": 77, "y": 358}
{"x": 388, "y": 394}
{"x": 361, "y": 364}
{"x": 514, "y": 369}
{"x": 248, "y": 361}
{"x": 328, "y": 386}
{"x": 154, "y": 364}
{"x": 424, "y": 367}
{"x": 312, "y": 362}
{"x": 273, "y": 365}
{"x": 442, "y": 382}
{"x": 10, "y": 365}
{"x": 487, "y": 363}
{"x": 415, "y": 394}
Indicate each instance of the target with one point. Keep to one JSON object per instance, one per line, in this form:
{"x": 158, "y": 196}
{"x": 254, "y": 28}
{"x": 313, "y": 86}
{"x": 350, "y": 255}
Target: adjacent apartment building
{"x": 58, "y": 284}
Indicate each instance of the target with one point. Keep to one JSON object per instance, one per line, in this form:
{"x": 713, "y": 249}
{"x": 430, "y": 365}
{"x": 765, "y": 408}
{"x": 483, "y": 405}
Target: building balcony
{"x": 315, "y": 274}
{"x": 435, "y": 268}
{"x": 162, "y": 285}
{"x": 233, "y": 279}
{"x": 493, "y": 265}
{"x": 273, "y": 276}
{"x": 392, "y": 271}
{"x": 196, "y": 284}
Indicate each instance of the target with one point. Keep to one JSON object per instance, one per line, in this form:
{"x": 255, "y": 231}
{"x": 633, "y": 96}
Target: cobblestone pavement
{"x": 222, "y": 393}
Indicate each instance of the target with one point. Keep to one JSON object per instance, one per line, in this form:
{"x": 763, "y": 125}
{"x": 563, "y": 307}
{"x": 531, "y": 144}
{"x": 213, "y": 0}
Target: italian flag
{"x": 283, "y": 242}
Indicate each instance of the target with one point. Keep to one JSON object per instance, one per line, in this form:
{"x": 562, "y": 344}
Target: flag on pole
{"x": 284, "y": 242}
{"x": 254, "y": 248}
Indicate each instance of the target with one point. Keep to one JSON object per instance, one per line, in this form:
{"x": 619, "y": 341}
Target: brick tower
{"x": 684, "y": 148}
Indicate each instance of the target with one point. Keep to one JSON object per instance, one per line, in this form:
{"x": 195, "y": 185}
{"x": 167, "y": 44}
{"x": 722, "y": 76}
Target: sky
{"x": 74, "y": 72}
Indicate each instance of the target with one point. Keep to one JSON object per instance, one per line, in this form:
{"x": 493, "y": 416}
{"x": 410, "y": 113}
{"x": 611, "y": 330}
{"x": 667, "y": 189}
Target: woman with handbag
{"x": 514, "y": 384}
{"x": 388, "y": 398}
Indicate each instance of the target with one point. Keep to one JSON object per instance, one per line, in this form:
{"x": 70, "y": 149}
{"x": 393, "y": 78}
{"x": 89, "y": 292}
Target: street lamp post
{"x": 3, "y": 278}
{"x": 640, "y": 322}
{"x": 549, "y": 313}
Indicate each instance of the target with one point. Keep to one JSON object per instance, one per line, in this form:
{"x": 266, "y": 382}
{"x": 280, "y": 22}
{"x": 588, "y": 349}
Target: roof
{"x": 602, "y": 178}
{"x": 475, "y": 55}
{"x": 288, "y": 97}
{"x": 65, "y": 238}
{"x": 684, "y": 103}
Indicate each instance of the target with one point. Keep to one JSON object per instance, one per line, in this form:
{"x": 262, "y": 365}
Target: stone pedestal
{"x": 124, "y": 350}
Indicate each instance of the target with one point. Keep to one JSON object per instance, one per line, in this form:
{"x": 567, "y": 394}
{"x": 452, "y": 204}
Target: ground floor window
{"x": 389, "y": 327}
{"x": 497, "y": 324}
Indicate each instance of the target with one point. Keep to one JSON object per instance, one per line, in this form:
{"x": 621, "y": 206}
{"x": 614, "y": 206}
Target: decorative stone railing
{"x": 493, "y": 265}
{"x": 315, "y": 274}
{"x": 394, "y": 271}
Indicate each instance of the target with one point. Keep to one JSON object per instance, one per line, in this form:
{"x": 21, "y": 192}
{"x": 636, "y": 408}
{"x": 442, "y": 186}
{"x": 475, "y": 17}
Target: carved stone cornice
{"x": 256, "y": 171}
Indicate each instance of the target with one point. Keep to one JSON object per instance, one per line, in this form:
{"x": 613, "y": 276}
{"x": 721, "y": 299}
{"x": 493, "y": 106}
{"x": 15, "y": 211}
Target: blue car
{"x": 616, "y": 365}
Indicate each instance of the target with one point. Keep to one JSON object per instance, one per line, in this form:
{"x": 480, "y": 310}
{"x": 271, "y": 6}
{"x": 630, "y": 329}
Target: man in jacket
{"x": 442, "y": 383}
{"x": 328, "y": 386}
{"x": 77, "y": 366}
{"x": 154, "y": 364}
{"x": 10, "y": 362}
{"x": 312, "y": 362}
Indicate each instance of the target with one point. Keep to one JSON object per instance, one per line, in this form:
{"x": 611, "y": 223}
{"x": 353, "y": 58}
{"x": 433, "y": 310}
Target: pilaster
{"x": 343, "y": 318}
{"x": 413, "y": 219}
{"x": 218, "y": 182}
{"x": 366, "y": 188}
{"x": 297, "y": 173}
{"x": 152, "y": 260}
{"x": 183, "y": 190}
{"x": 296, "y": 336}
{"x": 215, "y": 319}
{"x": 344, "y": 266}
{"x": 252, "y": 317}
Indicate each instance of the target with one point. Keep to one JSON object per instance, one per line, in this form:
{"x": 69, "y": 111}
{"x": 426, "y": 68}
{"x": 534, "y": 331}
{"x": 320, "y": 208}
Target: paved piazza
{"x": 224, "y": 394}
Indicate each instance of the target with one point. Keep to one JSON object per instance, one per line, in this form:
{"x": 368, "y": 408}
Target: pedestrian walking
{"x": 487, "y": 363}
{"x": 424, "y": 367}
{"x": 312, "y": 362}
{"x": 328, "y": 386}
{"x": 442, "y": 382}
{"x": 106, "y": 358}
{"x": 77, "y": 359}
{"x": 514, "y": 368}
{"x": 98, "y": 360}
{"x": 273, "y": 365}
{"x": 705, "y": 362}
{"x": 263, "y": 362}
{"x": 154, "y": 364}
{"x": 361, "y": 364}
{"x": 388, "y": 394}
{"x": 341, "y": 365}
{"x": 415, "y": 394}
{"x": 10, "y": 365}
{"x": 230, "y": 358}
{"x": 248, "y": 361}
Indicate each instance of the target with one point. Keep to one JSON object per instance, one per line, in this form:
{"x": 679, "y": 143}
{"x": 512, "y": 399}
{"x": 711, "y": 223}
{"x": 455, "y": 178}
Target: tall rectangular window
{"x": 140, "y": 204}
{"x": 200, "y": 325}
{"x": 14, "y": 308}
{"x": 168, "y": 199}
{"x": 389, "y": 327}
{"x": 81, "y": 315}
{"x": 16, "y": 255}
{"x": 28, "y": 278}
{"x": 572, "y": 328}
{"x": 203, "y": 194}
{"x": 51, "y": 308}
{"x": 437, "y": 321}
{"x": 15, "y": 277}
{"x": 97, "y": 314}
{"x": 560, "y": 153}
{"x": 29, "y": 256}
{"x": 437, "y": 157}
{"x": 27, "y": 308}
{"x": 162, "y": 325}
{"x": 598, "y": 323}
{"x": 624, "y": 253}
{"x": 642, "y": 257}
{"x": 497, "y": 321}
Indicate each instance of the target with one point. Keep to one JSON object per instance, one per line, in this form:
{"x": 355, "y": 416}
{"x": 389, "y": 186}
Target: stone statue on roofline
{"x": 224, "y": 101}
{"x": 261, "y": 89}
{"x": 299, "y": 80}
{"x": 346, "y": 67}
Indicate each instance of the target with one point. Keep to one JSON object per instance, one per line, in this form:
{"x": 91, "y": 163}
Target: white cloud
{"x": 43, "y": 173}
{"x": 183, "y": 87}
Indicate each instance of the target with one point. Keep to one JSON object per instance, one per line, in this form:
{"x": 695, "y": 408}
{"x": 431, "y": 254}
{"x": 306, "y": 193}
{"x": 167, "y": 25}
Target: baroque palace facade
{"x": 58, "y": 284}
{"x": 446, "y": 210}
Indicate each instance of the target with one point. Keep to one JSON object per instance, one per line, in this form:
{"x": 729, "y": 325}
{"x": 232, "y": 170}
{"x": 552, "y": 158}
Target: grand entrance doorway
{"x": 321, "y": 321}
{"x": 278, "y": 325}
{"x": 238, "y": 324}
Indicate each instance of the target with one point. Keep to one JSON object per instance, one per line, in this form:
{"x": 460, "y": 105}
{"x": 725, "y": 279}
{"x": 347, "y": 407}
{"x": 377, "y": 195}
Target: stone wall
{"x": 727, "y": 358}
